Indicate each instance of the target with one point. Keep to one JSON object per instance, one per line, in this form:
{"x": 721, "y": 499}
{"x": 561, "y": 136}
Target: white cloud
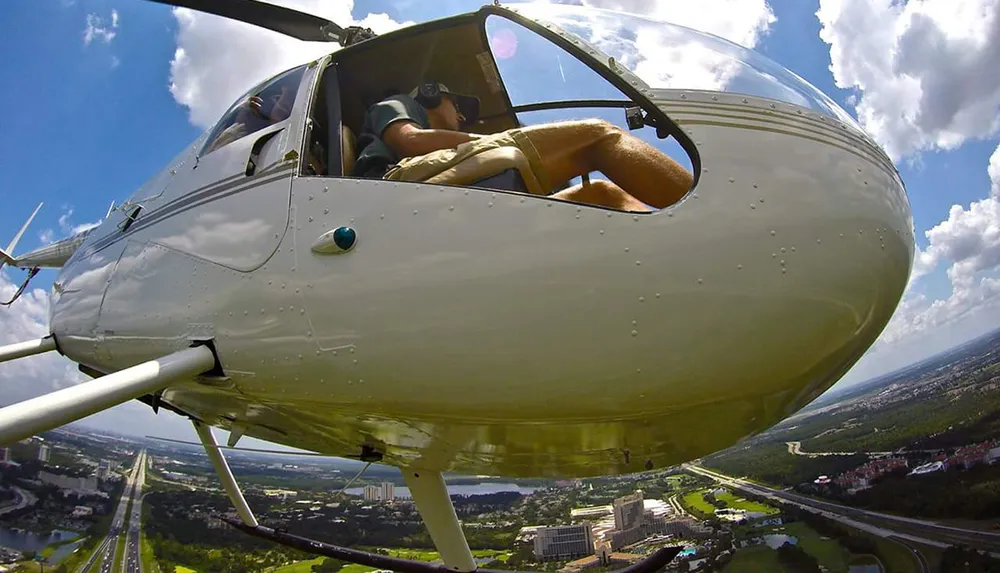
{"x": 99, "y": 30}
{"x": 925, "y": 70}
{"x": 665, "y": 57}
{"x": 217, "y": 59}
{"x": 968, "y": 241}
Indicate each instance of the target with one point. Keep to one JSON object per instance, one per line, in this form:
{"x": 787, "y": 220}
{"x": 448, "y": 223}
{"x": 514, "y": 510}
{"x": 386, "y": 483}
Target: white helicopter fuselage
{"x": 494, "y": 332}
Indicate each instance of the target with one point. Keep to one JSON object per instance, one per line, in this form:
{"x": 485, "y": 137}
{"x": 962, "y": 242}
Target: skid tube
{"x": 659, "y": 559}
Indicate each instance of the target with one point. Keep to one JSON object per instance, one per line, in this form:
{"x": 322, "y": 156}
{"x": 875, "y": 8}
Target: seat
{"x": 348, "y": 151}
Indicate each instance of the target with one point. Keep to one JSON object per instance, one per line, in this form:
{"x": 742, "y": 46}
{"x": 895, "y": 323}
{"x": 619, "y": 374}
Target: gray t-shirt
{"x": 374, "y": 156}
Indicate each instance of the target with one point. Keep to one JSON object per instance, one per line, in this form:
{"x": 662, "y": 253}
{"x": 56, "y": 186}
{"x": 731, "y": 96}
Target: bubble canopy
{"x": 669, "y": 56}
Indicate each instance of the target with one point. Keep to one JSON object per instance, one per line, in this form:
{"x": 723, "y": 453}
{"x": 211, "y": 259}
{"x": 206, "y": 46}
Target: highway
{"x": 904, "y": 530}
{"x": 106, "y": 551}
{"x": 132, "y": 563}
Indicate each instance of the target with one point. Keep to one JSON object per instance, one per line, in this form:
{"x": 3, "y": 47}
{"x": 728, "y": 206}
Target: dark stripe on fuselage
{"x": 213, "y": 192}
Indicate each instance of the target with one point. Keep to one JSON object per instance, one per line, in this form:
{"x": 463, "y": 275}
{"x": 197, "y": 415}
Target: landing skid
{"x": 433, "y": 503}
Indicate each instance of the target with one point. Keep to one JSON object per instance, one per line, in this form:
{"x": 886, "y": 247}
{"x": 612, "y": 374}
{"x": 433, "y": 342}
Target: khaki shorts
{"x": 426, "y": 167}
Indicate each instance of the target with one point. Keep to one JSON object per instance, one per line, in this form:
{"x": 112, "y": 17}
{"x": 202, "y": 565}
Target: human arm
{"x": 407, "y": 139}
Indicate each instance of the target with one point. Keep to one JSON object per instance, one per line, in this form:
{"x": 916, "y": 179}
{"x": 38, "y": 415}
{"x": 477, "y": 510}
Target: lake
{"x": 27, "y": 541}
{"x": 472, "y": 489}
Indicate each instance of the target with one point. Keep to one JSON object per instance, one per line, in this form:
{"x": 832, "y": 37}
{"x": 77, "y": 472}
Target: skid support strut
{"x": 225, "y": 474}
{"x": 29, "y": 348}
{"x": 44, "y": 413}
{"x": 431, "y": 496}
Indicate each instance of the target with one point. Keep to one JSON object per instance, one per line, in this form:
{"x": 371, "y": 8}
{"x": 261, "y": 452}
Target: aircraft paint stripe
{"x": 793, "y": 134}
{"x": 822, "y": 130}
{"x": 177, "y": 207}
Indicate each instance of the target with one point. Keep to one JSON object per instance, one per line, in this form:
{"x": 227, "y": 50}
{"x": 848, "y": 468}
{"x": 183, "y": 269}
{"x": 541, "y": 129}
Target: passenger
{"x": 399, "y": 134}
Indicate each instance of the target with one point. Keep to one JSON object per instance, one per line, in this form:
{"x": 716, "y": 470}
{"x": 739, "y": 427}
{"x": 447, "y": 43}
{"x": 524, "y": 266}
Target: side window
{"x": 265, "y": 105}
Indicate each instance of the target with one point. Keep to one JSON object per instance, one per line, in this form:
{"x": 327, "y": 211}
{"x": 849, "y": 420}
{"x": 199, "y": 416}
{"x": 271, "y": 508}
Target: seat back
{"x": 348, "y": 153}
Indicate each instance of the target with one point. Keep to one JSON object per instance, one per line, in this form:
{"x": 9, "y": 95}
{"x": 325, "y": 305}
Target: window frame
{"x": 655, "y": 117}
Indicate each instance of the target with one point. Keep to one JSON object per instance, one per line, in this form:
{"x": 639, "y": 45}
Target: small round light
{"x": 345, "y": 237}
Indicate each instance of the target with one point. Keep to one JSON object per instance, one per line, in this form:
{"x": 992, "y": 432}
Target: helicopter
{"x": 473, "y": 323}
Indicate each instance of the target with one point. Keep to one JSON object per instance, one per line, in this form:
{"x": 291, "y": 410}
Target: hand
{"x": 255, "y": 105}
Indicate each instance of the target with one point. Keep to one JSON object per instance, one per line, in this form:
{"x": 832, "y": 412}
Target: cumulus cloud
{"x": 218, "y": 59}
{"x": 98, "y": 29}
{"x": 666, "y": 58}
{"x": 67, "y": 227}
{"x": 968, "y": 241}
{"x": 924, "y": 71}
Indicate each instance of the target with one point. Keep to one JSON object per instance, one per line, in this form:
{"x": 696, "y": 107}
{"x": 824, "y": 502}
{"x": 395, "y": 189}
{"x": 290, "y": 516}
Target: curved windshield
{"x": 668, "y": 56}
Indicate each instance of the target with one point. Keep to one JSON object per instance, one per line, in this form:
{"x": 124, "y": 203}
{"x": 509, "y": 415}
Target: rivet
{"x": 300, "y": 357}
{"x": 774, "y": 255}
{"x": 638, "y": 370}
{"x": 866, "y": 183}
{"x": 670, "y": 214}
{"x": 326, "y": 211}
{"x": 783, "y": 270}
{"x": 451, "y": 208}
{"x": 355, "y": 360}
{"x": 334, "y": 352}
{"x": 382, "y": 216}
{"x": 859, "y": 170}
{"x": 818, "y": 241}
{"x": 773, "y": 233}
{"x": 782, "y": 249}
{"x": 755, "y": 186}
{"x": 414, "y": 211}
{"x": 302, "y": 311}
{"x": 841, "y": 235}
{"x": 772, "y": 106}
{"x": 635, "y": 322}
{"x": 793, "y": 249}
{"x": 715, "y": 98}
{"x": 626, "y": 249}
{"x": 657, "y": 295}
{"x": 262, "y": 311}
{"x": 704, "y": 169}
{"x": 325, "y": 189}
{"x": 745, "y": 100}
{"x": 861, "y": 231}
{"x": 635, "y": 217}
{"x": 752, "y": 206}
{"x": 602, "y": 231}
{"x": 739, "y": 267}
{"x": 635, "y": 333}
{"x": 642, "y": 299}
{"x": 577, "y": 216}
{"x": 638, "y": 263}
{"x": 310, "y": 197}
{"x": 609, "y": 215}
{"x": 491, "y": 204}
{"x": 695, "y": 195}
{"x": 883, "y": 246}
{"x": 548, "y": 204}
{"x": 732, "y": 180}
{"x": 310, "y": 219}
{"x": 781, "y": 262}
{"x": 245, "y": 313}
{"x": 699, "y": 281}
{"x": 352, "y": 351}
{"x": 522, "y": 199}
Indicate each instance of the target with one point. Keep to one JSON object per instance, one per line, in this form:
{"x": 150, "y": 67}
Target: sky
{"x": 103, "y": 93}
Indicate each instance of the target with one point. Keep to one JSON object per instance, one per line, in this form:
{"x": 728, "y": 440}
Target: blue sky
{"x": 89, "y": 115}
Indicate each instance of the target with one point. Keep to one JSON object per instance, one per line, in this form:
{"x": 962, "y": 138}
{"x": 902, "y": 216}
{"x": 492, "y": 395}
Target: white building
{"x": 43, "y": 453}
{"x": 563, "y": 541}
{"x": 371, "y": 493}
{"x": 387, "y": 491}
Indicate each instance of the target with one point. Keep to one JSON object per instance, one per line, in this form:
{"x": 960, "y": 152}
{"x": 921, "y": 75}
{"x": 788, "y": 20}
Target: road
{"x": 106, "y": 551}
{"x": 132, "y": 562}
{"x": 901, "y": 529}
{"x": 24, "y": 499}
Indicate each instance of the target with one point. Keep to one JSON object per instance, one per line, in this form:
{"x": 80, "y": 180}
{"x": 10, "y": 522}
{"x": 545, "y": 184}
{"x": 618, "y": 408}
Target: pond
{"x": 27, "y": 541}
{"x": 776, "y": 540}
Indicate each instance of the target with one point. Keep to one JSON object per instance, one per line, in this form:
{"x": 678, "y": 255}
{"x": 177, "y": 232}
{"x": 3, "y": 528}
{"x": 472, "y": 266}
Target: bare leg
{"x": 573, "y": 148}
{"x": 603, "y": 193}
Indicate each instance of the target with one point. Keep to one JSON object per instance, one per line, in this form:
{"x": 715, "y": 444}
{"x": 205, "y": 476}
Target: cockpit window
{"x": 265, "y": 105}
{"x": 668, "y": 56}
{"x": 546, "y": 83}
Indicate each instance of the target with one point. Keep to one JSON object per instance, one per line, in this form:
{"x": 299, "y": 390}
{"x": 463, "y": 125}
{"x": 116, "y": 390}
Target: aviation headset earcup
{"x": 429, "y": 95}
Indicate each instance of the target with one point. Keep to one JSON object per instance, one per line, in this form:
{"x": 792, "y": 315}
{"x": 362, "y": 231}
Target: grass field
{"x": 759, "y": 559}
{"x": 695, "y": 503}
{"x": 299, "y": 566}
{"x": 426, "y": 555}
{"x": 828, "y": 552}
{"x": 183, "y": 569}
{"x": 737, "y": 502}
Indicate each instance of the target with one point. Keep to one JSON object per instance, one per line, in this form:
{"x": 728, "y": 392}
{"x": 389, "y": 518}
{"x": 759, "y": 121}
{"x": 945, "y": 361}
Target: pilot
{"x": 400, "y": 136}
{"x": 252, "y": 115}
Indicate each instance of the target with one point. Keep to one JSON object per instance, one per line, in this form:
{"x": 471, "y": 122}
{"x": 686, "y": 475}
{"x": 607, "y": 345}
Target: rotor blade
{"x": 307, "y": 27}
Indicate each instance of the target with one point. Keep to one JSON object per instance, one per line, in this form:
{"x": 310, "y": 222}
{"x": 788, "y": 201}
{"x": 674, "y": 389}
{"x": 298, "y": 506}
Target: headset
{"x": 429, "y": 95}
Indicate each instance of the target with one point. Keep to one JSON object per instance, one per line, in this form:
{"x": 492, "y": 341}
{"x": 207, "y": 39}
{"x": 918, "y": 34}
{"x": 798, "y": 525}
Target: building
{"x": 43, "y": 453}
{"x": 628, "y": 511}
{"x": 80, "y": 484}
{"x": 386, "y": 490}
{"x": 371, "y": 493}
{"x": 560, "y": 542}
